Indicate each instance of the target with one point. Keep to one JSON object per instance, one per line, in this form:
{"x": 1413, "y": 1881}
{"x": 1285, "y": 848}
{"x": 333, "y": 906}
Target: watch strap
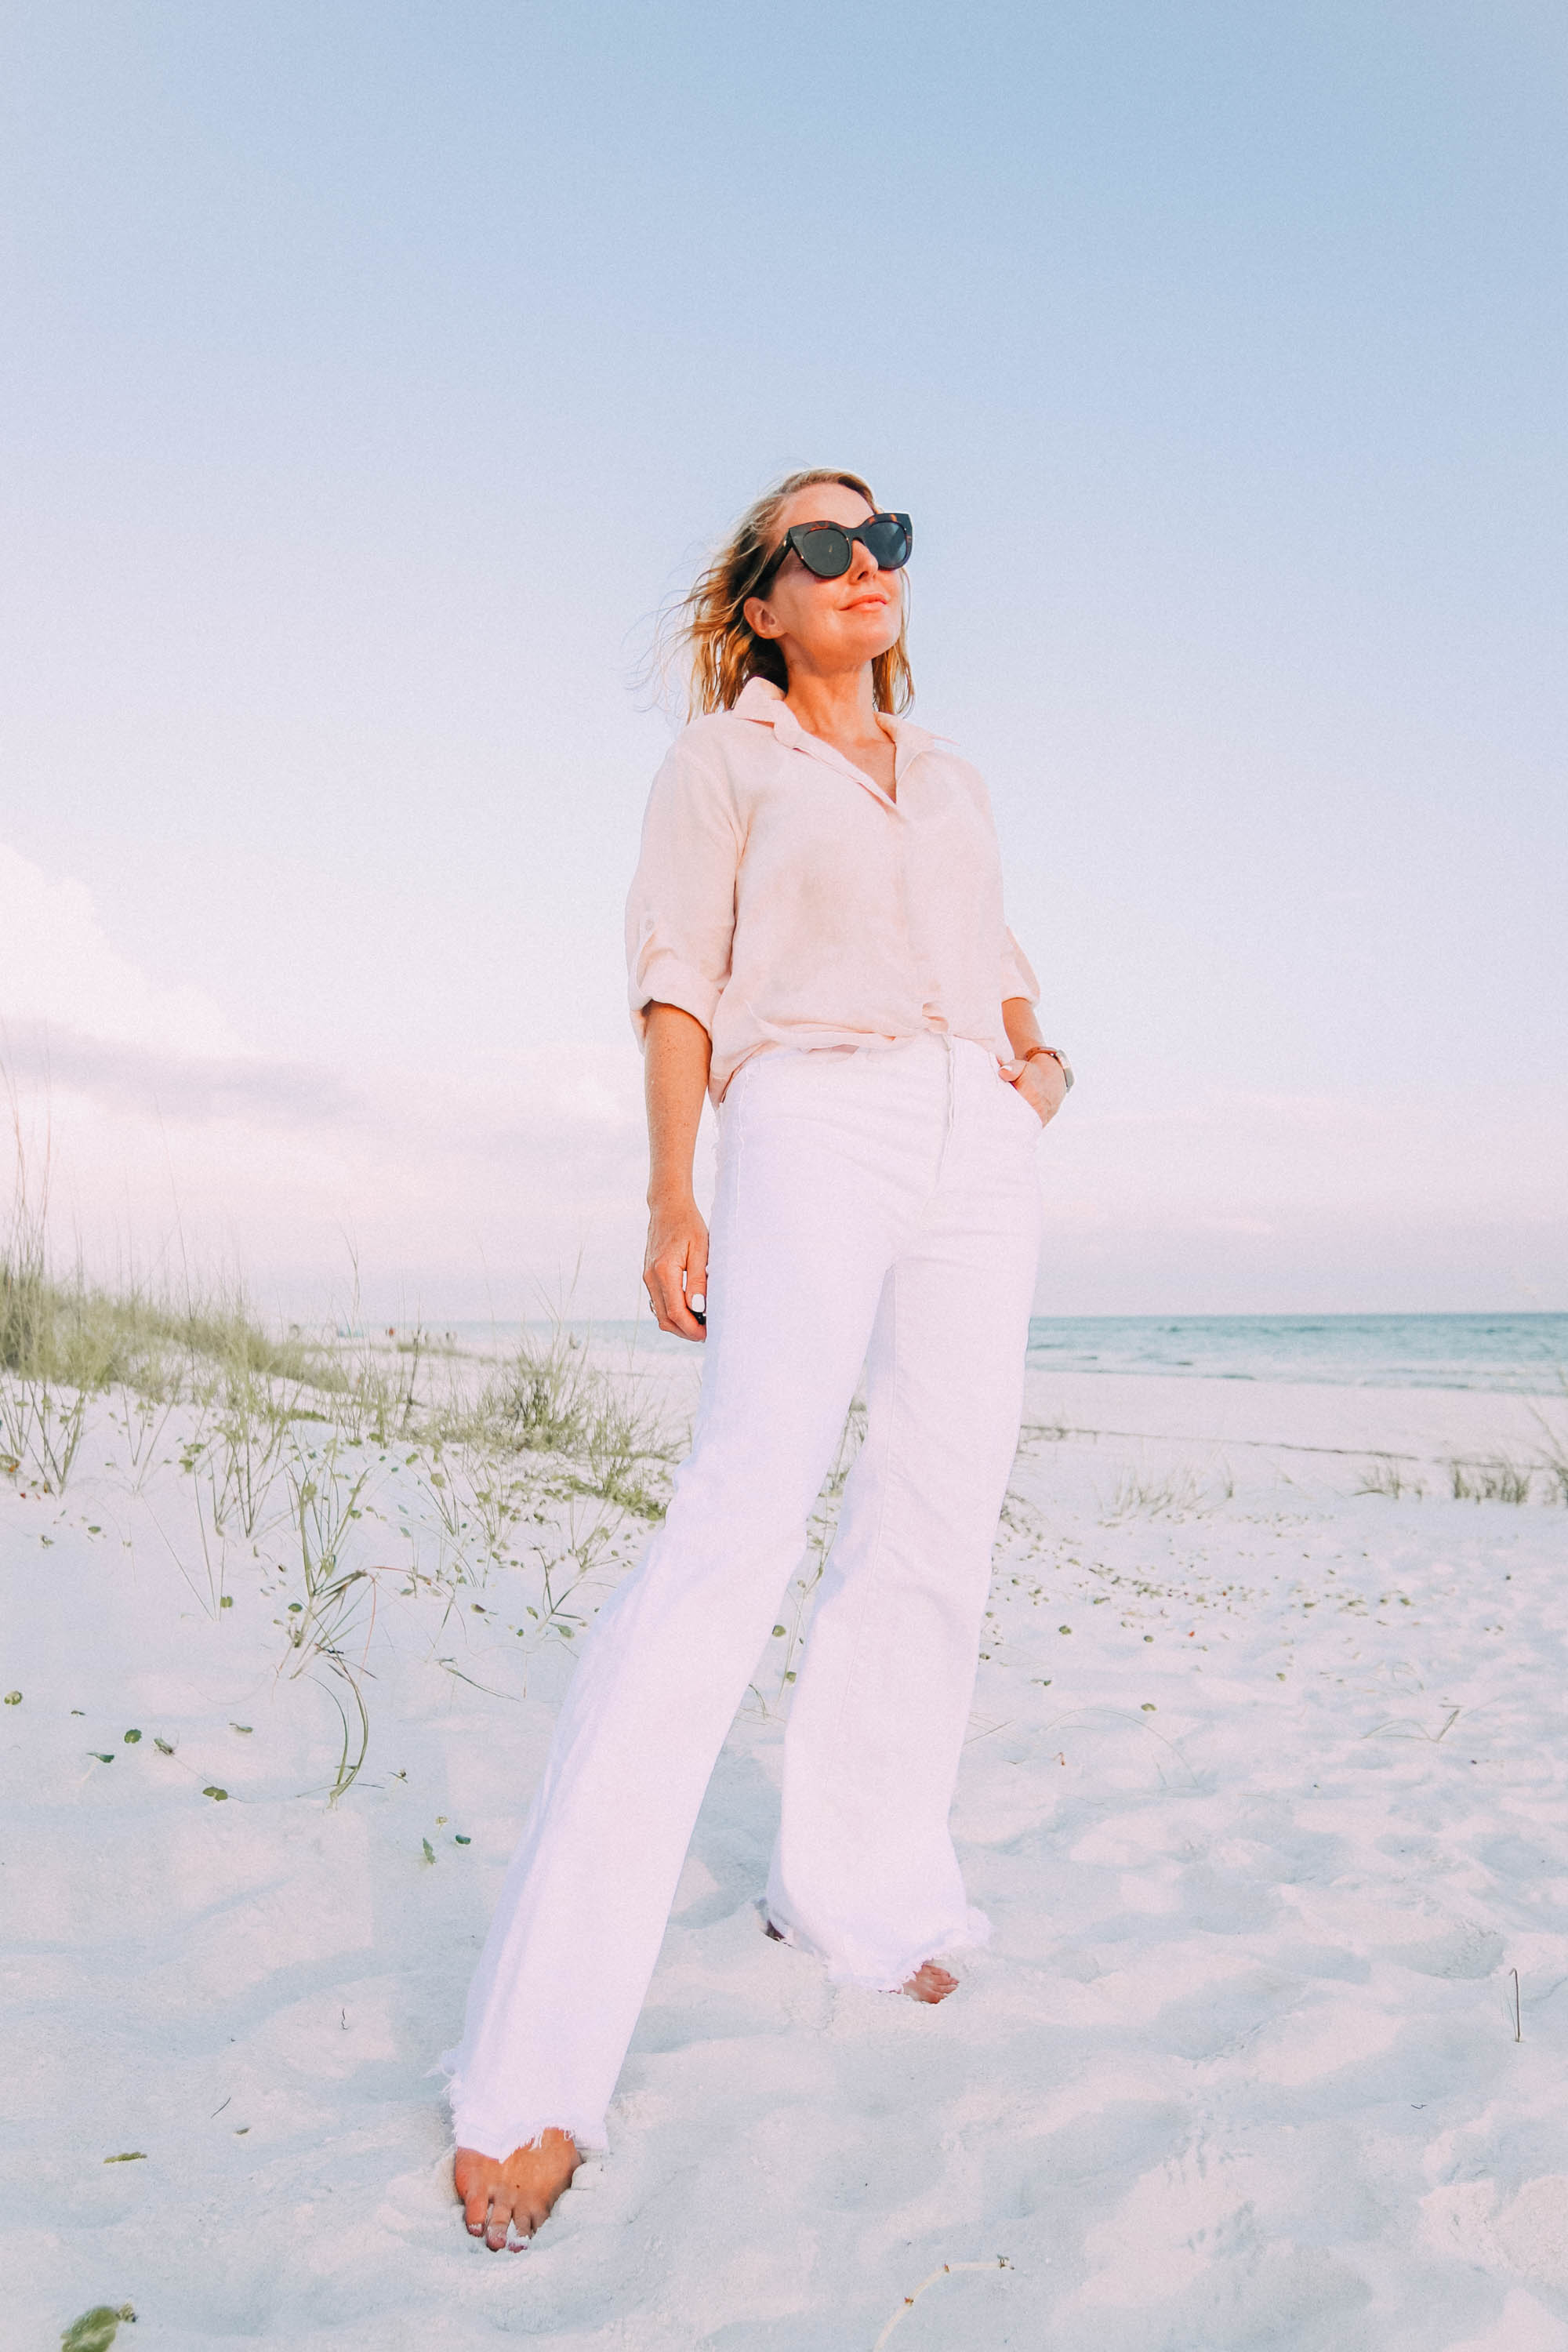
{"x": 1056, "y": 1055}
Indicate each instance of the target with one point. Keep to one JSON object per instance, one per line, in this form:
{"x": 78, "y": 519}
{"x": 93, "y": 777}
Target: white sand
{"x": 1263, "y": 1837}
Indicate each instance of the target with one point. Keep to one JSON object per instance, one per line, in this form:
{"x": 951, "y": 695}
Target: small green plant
{"x": 1174, "y": 1495}
{"x": 1552, "y": 1458}
{"x": 375, "y": 1405}
{"x": 1385, "y": 1474}
{"x": 245, "y": 1457}
{"x": 564, "y": 1559}
{"x": 41, "y": 1428}
{"x": 549, "y": 1397}
{"x": 96, "y": 2330}
{"x": 44, "y": 1375}
{"x": 326, "y": 1504}
{"x": 141, "y": 1416}
{"x": 544, "y": 1402}
{"x": 1495, "y": 1480}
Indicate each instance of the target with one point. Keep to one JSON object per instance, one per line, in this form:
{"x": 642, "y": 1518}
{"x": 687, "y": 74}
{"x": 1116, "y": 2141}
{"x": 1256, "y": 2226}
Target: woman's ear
{"x": 761, "y": 618}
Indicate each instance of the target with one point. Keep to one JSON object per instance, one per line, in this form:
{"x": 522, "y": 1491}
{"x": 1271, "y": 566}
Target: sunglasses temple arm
{"x": 773, "y": 565}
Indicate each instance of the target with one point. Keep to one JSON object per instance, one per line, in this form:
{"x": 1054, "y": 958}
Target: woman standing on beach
{"x": 816, "y": 940}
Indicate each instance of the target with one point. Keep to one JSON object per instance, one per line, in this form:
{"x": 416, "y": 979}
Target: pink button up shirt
{"x": 783, "y": 899}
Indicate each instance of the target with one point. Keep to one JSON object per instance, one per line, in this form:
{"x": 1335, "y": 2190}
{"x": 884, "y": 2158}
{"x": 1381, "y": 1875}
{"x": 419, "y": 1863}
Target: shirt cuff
{"x": 663, "y": 978}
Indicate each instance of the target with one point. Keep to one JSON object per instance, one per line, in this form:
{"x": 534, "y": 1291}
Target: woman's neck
{"x": 841, "y": 705}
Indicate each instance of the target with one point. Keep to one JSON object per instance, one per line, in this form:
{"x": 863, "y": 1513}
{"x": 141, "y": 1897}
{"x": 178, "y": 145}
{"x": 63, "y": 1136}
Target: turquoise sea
{"x": 1527, "y": 1353}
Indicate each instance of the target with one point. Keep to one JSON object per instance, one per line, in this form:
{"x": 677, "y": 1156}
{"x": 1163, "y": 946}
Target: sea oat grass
{"x": 1386, "y": 1474}
{"x": 81, "y": 1335}
{"x": 1551, "y": 1460}
{"x": 1171, "y": 1495}
{"x": 547, "y": 1398}
{"x": 1497, "y": 1479}
{"x": 65, "y": 1340}
{"x": 550, "y": 1398}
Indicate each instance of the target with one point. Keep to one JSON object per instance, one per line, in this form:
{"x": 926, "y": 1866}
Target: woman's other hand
{"x": 1041, "y": 1084}
{"x": 676, "y": 1054}
{"x": 675, "y": 1269}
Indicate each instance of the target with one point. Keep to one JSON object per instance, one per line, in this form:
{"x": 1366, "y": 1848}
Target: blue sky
{"x": 374, "y": 372}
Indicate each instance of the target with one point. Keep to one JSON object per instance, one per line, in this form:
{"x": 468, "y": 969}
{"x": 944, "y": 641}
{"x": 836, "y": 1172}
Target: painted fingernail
{"x": 698, "y": 1302}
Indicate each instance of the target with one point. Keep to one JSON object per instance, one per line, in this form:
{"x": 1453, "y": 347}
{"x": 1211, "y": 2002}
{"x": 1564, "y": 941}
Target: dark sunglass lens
{"x": 825, "y": 550}
{"x": 888, "y": 540}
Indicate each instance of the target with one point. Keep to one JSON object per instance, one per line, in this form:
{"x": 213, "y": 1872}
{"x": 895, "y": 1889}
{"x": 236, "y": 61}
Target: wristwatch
{"x": 1056, "y": 1056}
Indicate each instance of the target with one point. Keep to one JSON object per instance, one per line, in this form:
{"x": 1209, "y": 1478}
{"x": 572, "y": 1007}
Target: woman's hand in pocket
{"x": 1041, "y": 1084}
{"x": 675, "y": 1269}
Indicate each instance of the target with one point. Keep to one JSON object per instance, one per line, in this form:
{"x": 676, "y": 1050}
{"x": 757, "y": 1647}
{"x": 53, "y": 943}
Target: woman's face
{"x": 825, "y": 625}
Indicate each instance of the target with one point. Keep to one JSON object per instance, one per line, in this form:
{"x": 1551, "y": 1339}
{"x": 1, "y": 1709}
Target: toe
{"x": 931, "y": 1983}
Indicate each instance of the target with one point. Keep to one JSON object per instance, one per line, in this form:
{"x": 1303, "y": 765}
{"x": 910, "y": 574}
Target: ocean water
{"x": 1526, "y": 1353}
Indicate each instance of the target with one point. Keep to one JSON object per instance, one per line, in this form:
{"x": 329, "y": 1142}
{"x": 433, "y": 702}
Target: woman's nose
{"x": 861, "y": 559}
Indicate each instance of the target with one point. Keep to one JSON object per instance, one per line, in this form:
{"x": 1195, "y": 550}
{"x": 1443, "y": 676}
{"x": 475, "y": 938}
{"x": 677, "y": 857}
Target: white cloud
{"x": 59, "y": 968}
{"x": 475, "y": 1186}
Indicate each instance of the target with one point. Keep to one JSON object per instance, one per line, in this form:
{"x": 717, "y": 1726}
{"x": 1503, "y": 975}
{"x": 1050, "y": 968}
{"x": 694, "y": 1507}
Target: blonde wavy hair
{"x": 710, "y": 636}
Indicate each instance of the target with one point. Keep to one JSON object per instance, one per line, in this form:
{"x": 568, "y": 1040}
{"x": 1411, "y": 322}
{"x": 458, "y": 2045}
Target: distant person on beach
{"x": 816, "y": 940}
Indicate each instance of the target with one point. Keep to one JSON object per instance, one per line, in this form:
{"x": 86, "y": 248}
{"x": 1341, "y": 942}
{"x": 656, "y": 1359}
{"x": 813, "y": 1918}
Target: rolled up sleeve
{"x": 1018, "y": 973}
{"x": 680, "y": 911}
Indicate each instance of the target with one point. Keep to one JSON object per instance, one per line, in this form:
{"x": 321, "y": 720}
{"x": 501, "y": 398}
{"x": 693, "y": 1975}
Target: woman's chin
{"x": 876, "y": 635}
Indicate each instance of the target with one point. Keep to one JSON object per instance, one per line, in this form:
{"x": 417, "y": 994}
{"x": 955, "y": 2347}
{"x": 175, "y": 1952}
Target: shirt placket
{"x": 928, "y": 982}
{"x": 926, "y": 988}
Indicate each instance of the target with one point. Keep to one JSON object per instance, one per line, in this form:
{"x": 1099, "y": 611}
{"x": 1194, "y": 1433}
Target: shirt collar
{"x": 761, "y": 701}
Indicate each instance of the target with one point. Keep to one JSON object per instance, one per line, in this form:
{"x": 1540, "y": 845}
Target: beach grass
{"x": 1158, "y": 1495}
{"x": 549, "y": 1397}
{"x": 1385, "y": 1474}
{"x": 78, "y": 1334}
{"x": 1497, "y": 1478}
{"x": 263, "y": 1459}
{"x": 1551, "y": 1434}
{"x": 65, "y": 1340}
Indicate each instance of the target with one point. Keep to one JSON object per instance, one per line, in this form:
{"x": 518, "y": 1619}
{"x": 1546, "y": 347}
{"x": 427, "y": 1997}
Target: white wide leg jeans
{"x": 875, "y": 1208}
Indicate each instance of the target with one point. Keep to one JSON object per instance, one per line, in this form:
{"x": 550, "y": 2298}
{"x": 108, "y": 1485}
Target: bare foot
{"x": 929, "y": 1983}
{"x": 516, "y": 2192}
